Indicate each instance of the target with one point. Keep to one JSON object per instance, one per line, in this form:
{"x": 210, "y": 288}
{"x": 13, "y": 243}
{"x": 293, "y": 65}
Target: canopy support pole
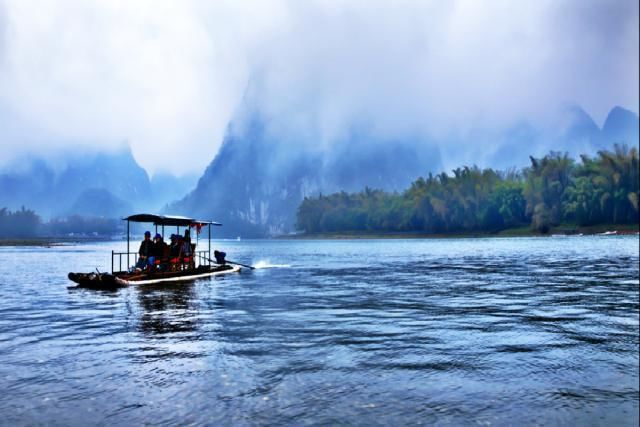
{"x": 127, "y": 245}
{"x": 209, "y": 246}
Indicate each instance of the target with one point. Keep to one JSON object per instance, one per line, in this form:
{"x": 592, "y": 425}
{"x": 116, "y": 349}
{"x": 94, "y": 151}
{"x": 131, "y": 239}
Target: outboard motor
{"x": 219, "y": 255}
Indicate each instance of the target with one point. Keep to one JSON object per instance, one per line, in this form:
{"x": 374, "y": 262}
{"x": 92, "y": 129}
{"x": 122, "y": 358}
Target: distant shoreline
{"x": 525, "y": 231}
{"x": 561, "y": 230}
{"x": 50, "y": 241}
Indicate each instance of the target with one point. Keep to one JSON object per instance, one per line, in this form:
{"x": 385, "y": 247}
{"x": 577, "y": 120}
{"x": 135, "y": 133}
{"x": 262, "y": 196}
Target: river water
{"x": 522, "y": 331}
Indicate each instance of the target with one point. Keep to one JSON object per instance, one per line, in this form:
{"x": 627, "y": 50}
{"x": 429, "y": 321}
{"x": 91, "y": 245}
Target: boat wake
{"x": 266, "y": 264}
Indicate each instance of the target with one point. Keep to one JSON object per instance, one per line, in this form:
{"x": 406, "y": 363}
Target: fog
{"x": 168, "y": 77}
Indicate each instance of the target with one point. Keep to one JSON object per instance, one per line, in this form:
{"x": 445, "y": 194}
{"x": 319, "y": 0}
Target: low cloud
{"x": 434, "y": 66}
{"x": 169, "y": 76}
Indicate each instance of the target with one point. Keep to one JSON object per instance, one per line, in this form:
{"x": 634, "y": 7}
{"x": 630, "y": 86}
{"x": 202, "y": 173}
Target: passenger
{"x": 186, "y": 252}
{"x": 145, "y": 252}
{"x": 186, "y": 244}
{"x": 159, "y": 247}
{"x": 159, "y": 250}
{"x": 174, "y": 251}
{"x": 219, "y": 256}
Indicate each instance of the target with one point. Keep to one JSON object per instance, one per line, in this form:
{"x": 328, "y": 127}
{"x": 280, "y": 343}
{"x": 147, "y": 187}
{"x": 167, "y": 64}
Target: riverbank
{"x": 525, "y": 231}
{"x": 51, "y": 241}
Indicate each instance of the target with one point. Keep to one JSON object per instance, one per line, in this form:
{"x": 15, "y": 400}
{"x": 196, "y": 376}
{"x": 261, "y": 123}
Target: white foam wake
{"x": 267, "y": 264}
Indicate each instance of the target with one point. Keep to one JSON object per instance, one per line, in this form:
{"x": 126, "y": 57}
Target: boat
{"x": 198, "y": 266}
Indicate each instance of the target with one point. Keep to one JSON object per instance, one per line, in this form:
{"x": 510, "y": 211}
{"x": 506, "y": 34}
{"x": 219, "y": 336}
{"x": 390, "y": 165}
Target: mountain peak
{"x": 621, "y": 126}
{"x": 620, "y": 116}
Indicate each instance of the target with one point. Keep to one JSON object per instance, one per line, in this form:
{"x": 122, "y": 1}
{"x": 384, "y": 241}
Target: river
{"x": 496, "y": 331}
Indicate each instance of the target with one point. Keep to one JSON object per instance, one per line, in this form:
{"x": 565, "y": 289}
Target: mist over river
{"x": 500, "y": 331}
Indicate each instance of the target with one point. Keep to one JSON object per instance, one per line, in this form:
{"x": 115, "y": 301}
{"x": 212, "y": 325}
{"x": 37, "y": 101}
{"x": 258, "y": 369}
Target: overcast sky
{"x": 168, "y": 76}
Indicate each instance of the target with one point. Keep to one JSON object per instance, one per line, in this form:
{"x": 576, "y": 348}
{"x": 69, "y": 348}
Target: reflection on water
{"x": 168, "y": 309}
{"x": 467, "y": 331}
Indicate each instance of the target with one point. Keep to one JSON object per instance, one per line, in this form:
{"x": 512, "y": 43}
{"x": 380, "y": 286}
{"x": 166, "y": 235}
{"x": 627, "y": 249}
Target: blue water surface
{"x": 496, "y": 331}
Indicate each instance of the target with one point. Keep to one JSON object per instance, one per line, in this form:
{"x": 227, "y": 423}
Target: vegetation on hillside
{"x": 554, "y": 189}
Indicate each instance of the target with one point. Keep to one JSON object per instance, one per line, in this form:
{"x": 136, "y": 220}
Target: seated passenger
{"x": 159, "y": 249}
{"x": 174, "y": 250}
{"x": 219, "y": 256}
{"x": 145, "y": 252}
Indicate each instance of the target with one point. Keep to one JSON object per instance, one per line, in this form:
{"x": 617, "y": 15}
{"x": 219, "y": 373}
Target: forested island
{"x": 553, "y": 190}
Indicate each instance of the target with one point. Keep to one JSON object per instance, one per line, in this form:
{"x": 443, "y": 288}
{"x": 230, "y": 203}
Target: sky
{"x": 167, "y": 77}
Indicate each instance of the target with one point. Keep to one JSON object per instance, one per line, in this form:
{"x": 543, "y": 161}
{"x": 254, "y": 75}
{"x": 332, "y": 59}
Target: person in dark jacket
{"x": 145, "y": 252}
{"x": 186, "y": 245}
{"x": 159, "y": 246}
{"x": 160, "y": 251}
{"x": 174, "y": 252}
{"x": 186, "y": 251}
{"x": 174, "y": 247}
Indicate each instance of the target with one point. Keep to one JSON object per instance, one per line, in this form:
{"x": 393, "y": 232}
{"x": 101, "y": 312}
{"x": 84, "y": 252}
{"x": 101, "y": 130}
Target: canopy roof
{"x": 168, "y": 220}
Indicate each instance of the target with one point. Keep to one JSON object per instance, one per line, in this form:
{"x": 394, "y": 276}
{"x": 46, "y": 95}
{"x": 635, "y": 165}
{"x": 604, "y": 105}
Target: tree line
{"x": 554, "y": 189}
{"x": 20, "y": 223}
{"x": 26, "y": 223}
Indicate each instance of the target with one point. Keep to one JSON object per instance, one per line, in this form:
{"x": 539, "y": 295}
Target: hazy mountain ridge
{"x": 167, "y": 188}
{"x": 257, "y": 180}
{"x": 107, "y": 184}
{"x": 259, "y": 177}
{"x": 254, "y": 188}
{"x": 621, "y": 126}
{"x": 98, "y": 202}
{"x": 583, "y": 136}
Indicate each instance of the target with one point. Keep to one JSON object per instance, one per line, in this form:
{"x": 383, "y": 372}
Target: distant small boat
{"x": 198, "y": 265}
{"x": 608, "y": 233}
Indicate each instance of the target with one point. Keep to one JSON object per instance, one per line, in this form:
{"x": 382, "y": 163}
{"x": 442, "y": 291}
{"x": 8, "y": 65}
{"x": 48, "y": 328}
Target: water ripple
{"x": 464, "y": 331}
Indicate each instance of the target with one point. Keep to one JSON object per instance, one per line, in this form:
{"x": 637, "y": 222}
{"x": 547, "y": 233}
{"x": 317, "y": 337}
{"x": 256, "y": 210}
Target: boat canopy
{"x": 168, "y": 220}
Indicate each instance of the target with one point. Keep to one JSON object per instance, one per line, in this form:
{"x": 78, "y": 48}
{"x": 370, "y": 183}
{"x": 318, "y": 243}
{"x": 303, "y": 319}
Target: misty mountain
{"x": 167, "y": 188}
{"x": 117, "y": 172}
{"x": 257, "y": 180}
{"x": 579, "y": 134}
{"x": 98, "y": 202}
{"x": 85, "y": 179}
{"x": 106, "y": 184}
{"x": 621, "y": 127}
{"x": 583, "y": 136}
{"x": 574, "y": 131}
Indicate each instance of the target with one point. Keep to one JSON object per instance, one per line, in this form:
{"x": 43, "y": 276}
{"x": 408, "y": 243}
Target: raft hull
{"x": 123, "y": 279}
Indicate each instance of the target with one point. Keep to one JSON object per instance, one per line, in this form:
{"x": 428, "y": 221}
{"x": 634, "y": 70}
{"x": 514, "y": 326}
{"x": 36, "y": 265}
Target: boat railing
{"x": 201, "y": 258}
{"x": 128, "y": 256}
